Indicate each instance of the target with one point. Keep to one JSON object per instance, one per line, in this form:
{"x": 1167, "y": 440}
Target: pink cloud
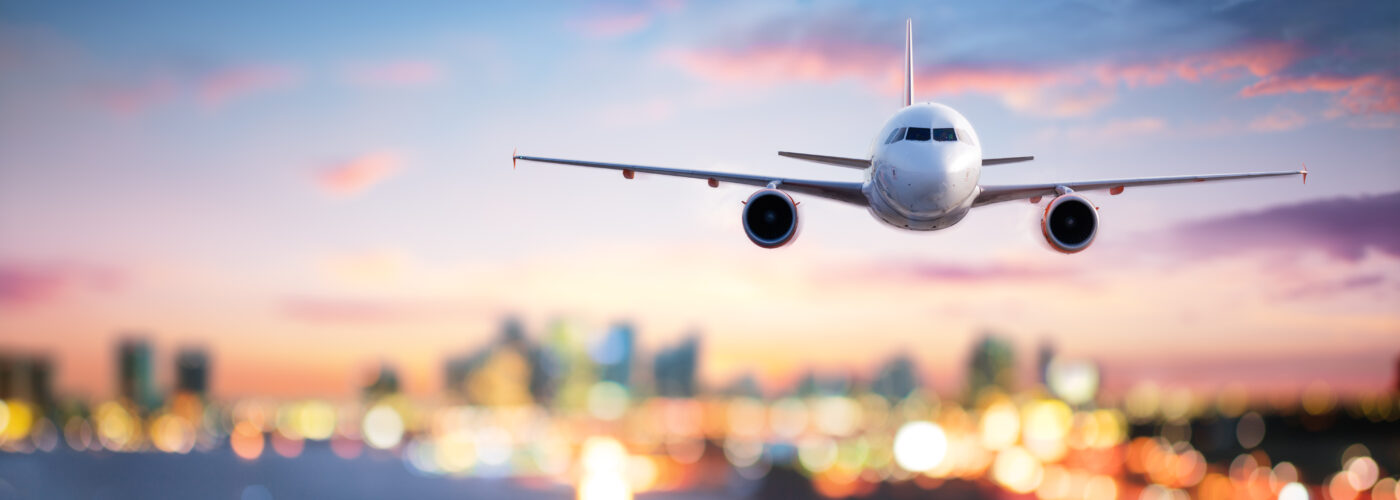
{"x": 353, "y": 177}
{"x": 1068, "y": 90}
{"x": 1278, "y": 121}
{"x": 613, "y": 24}
{"x": 228, "y": 84}
{"x": 28, "y": 285}
{"x": 405, "y": 73}
{"x": 1360, "y": 95}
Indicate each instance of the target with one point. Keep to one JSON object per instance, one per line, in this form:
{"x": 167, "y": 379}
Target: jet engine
{"x": 770, "y": 218}
{"x": 1070, "y": 223}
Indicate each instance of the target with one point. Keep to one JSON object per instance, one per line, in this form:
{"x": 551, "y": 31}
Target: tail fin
{"x": 908, "y": 62}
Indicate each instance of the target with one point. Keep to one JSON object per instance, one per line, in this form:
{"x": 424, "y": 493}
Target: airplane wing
{"x": 848, "y": 192}
{"x": 829, "y": 160}
{"x": 997, "y": 194}
{"x": 1003, "y": 161}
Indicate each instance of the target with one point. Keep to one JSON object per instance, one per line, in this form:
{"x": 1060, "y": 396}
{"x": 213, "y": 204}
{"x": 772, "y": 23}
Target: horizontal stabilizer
{"x": 829, "y": 160}
{"x": 999, "y": 161}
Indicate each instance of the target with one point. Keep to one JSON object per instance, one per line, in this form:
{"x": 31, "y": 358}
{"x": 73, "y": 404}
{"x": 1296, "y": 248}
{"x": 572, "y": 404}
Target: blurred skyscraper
{"x": 135, "y": 380}
{"x": 508, "y": 371}
{"x": 674, "y": 369}
{"x": 27, "y": 378}
{"x": 615, "y": 355}
{"x": 192, "y": 372}
{"x": 385, "y": 383}
{"x": 897, "y": 379}
{"x": 1044, "y": 357}
{"x": 991, "y": 365}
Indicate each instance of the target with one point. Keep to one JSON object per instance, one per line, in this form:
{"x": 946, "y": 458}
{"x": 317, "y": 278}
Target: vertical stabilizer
{"x": 908, "y": 62}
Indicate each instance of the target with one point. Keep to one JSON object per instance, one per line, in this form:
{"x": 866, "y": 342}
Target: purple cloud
{"x": 30, "y": 285}
{"x": 1344, "y": 228}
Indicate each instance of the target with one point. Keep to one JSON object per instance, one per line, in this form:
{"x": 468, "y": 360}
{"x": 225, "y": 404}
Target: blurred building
{"x": 897, "y": 379}
{"x": 508, "y": 371}
{"x": 615, "y": 355}
{"x": 385, "y": 383}
{"x": 991, "y": 366}
{"x": 674, "y": 369}
{"x": 745, "y": 386}
{"x": 192, "y": 372}
{"x": 28, "y": 378}
{"x": 813, "y": 384}
{"x": 1043, "y": 358}
{"x": 135, "y": 377}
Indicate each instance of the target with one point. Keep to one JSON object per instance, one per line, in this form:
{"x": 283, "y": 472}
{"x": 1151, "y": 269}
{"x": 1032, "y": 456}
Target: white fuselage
{"x": 924, "y": 168}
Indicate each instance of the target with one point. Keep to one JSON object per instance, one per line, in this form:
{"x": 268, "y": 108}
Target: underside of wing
{"x": 1003, "y": 161}
{"x": 848, "y": 192}
{"x": 996, "y": 194}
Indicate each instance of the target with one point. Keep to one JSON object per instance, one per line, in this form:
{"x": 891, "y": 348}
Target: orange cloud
{"x": 357, "y": 175}
{"x": 406, "y": 73}
{"x": 1360, "y": 95}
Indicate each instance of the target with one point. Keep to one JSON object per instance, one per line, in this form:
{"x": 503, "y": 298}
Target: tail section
{"x": 908, "y": 62}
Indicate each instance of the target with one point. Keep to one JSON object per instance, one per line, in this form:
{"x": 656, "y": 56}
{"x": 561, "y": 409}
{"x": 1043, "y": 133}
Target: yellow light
{"x": 836, "y": 416}
{"x": 788, "y": 417}
{"x": 1000, "y": 426}
{"x": 920, "y": 446}
{"x": 115, "y": 426}
{"x": 641, "y": 473}
{"x": 1016, "y": 470}
{"x": 316, "y": 420}
{"x": 172, "y": 434}
{"x": 746, "y": 417}
{"x": 19, "y": 421}
{"x": 383, "y": 427}
{"x": 4, "y": 417}
{"x": 1045, "y": 424}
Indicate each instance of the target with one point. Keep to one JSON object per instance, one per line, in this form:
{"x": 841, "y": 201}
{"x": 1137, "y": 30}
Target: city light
{"x": 920, "y": 446}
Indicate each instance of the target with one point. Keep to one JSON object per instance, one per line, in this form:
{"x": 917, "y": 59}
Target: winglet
{"x": 908, "y": 62}
{"x": 513, "y": 158}
{"x": 1305, "y": 173}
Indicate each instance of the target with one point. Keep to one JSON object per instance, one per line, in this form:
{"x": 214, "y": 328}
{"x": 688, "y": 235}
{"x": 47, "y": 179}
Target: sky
{"x": 310, "y": 189}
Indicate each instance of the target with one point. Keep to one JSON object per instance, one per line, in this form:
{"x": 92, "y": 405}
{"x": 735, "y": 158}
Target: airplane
{"x": 922, "y": 174}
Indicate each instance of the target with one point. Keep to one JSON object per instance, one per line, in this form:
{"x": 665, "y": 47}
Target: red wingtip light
{"x": 628, "y": 173}
{"x": 513, "y": 158}
{"x": 1305, "y": 173}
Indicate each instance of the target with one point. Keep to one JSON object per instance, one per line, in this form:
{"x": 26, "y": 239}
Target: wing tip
{"x": 1304, "y": 172}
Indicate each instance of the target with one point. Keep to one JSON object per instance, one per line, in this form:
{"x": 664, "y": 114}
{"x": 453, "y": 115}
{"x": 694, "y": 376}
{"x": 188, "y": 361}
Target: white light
{"x": 383, "y": 428}
{"x": 920, "y": 446}
{"x": 1293, "y": 491}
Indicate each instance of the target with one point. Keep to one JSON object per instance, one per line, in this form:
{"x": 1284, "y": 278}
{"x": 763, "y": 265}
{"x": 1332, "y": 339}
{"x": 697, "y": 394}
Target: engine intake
{"x": 770, "y": 218}
{"x": 1070, "y": 223}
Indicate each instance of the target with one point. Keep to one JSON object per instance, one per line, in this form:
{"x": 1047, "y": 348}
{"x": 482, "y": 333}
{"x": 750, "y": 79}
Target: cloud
{"x": 210, "y": 88}
{"x": 1115, "y": 129}
{"x": 29, "y": 285}
{"x": 1070, "y": 88}
{"x": 227, "y": 84}
{"x": 353, "y": 177}
{"x": 1335, "y": 287}
{"x": 616, "y": 23}
{"x": 404, "y": 73}
{"x": 1278, "y": 121}
{"x": 1357, "y": 95}
{"x": 1345, "y": 228}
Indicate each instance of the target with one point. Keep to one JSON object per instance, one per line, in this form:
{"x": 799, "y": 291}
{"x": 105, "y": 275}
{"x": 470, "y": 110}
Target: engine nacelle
{"x": 770, "y": 218}
{"x": 1070, "y": 223}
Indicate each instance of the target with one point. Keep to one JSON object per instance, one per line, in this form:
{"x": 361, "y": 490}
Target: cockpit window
{"x": 944, "y": 135}
{"x": 917, "y": 134}
{"x": 895, "y": 136}
{"x": 965, "y": 137}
